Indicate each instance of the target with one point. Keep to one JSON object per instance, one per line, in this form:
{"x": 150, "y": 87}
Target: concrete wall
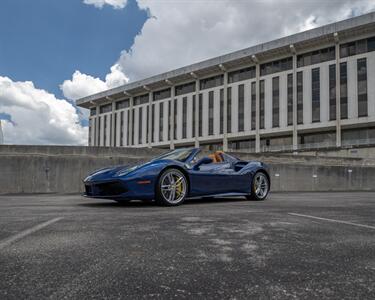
{"x": 293, "y": 177}
{"x": 350, "y": 152}
{"x": 53, "y": 169}
{"x": 59, "y": 169}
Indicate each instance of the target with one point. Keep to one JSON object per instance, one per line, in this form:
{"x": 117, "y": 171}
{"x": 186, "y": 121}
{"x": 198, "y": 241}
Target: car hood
{"x": 111, "y": 172}
{"x": 118, "y": 171}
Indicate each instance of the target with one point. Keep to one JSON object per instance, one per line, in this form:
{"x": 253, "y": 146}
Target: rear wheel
{"x": 260, "y": 187}
{"x": 172, "y": 188}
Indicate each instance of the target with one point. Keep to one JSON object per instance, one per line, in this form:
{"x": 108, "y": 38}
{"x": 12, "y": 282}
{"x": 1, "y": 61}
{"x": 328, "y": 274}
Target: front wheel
{"x": 260, "y": 187}
{"x": 172, "y": 188}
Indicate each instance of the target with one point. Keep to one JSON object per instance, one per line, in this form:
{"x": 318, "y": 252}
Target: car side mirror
{"x": 203, "y": 161}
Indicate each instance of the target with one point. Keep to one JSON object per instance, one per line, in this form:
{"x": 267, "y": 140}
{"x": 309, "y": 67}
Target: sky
{"x": 53, "y": 52}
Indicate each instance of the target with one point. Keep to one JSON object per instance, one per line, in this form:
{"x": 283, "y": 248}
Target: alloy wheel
{"x": 173, "y": 187}
{"x": 261, "y": 185}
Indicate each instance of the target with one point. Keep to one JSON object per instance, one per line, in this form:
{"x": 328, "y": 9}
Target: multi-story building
{"x": 311, "y": 89}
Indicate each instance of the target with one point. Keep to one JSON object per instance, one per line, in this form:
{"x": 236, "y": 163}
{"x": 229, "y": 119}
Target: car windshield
{"x": 179, "y": 154}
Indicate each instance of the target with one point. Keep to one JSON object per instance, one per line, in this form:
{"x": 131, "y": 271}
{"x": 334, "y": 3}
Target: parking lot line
{"x": 6, "y": 242}
{"x": 333, "y": 220}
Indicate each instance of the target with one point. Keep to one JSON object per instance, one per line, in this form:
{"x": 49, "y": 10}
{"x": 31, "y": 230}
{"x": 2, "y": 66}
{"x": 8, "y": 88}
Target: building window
{"x": 362, "y": 87}
{"x": 152, "y": 123}
{"x": 122, "y": 104}
{"x": 243, "y": 74}
{"x": 241, "y": 107}
{"x": 99, "y": 129}
{"x": 95, "y": 129}
{"x": 185, "y": 88}
{"x": 229, "y": 110}
{"x": 299, "y": 97}
{"x": 106, "y": 108}
{"x": 276, "y": 66}
{"x": 332, "y": 92}
{"x": 211, "y": 113}
{"x": 128, "y": 132}
{"x": 184, "y": 117}
{"x": 248, "y": 145}
{"x": 277, "y": 143}
{"x": 122, "y": 128}
{"x": 143, "y": 99}
{"x": 161, "y": 118}
{"x": 275, "y": 102}
{"x": 362, "y": 136}
{"x": 357, "y": 47}
{"x": 115, "y": 130}
{"x": 253, "y": 105}
{"x": 194, "y": 111}
{"x": 211, "y": 146}
{"x": 316, "y": 57}
{"x": 175, "y": 119}
{"x": 93, "y": 111}
{"x": 315, "y": 94}
{"x": 261, "y": 103}
{"x": 211, "y": 82}
{"x": 133, "y": 119}
{"x": 290, "y": 98}
{"x": 221, "y": 111}
{"x": 105, "y": 131}
{"x": 110, "y": 129}
{"x": 90, "y": 130}
{"x": 317, "y": 140}
{"x": 200, "y": 108}
{"x": 163, "y": 94}
{"x": 170, "y": 120}
{"x": 140, "y": 118}
{"x": 343, "y": 91}
{"x": 147, "y": 122}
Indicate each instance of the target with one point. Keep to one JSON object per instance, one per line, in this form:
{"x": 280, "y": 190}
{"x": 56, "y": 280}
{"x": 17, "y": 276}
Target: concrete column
{"x": 149, "y": 107}
{"x": 225, "y": 115}
{"x": 196, "y": 112}
{"x": 338, "y": 92}
{"x": 295, "y": 132}
{"x": 257, "y": 106}
{"x": 130, "y": 129}
{"x": 172, "y": 121}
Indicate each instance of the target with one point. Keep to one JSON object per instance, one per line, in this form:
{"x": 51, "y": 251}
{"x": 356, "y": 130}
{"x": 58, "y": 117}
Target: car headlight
{"x": 97, "y": 173}
{"x": 126, "y": 171}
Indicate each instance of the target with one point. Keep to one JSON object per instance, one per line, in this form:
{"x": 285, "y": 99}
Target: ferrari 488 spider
{"x": 183, "y": 173}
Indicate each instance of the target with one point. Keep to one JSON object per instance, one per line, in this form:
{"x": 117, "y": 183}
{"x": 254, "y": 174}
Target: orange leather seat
{"x": 213, "y": 157}
{"x": 218, "y": 156}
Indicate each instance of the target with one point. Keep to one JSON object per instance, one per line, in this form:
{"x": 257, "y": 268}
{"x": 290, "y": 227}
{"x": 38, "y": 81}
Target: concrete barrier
{"x": 54, "y": 169}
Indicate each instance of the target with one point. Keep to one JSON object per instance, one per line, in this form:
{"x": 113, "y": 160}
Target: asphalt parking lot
{"x": 295, "y": 245}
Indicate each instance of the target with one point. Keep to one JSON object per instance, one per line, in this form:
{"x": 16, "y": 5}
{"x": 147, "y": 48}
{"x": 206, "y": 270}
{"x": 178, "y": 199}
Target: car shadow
{"x": 138, "y": 203}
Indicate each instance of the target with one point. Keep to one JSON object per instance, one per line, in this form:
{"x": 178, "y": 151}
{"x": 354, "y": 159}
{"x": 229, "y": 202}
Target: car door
{"x": 216, "y": 178}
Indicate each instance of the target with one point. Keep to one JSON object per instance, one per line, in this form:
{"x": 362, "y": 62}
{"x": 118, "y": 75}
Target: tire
{"x": 172, "y": 188}
{"x": 260, "y": 187}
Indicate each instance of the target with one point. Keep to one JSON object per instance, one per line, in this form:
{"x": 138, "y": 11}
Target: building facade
{"x": 309, "y": 90}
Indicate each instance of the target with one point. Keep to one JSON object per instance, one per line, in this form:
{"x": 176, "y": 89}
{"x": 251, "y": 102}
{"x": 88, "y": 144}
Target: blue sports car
{"x": 183, "y": 173}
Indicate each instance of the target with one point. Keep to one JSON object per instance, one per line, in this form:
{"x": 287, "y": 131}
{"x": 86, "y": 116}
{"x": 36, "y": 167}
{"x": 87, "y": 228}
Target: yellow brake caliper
{"x": 179, "y": 188}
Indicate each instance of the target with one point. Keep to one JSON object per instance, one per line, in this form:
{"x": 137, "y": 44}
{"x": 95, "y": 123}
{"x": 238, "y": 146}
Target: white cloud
{"x": 179, "y": 33}
{"x": 184, "y": 32}
{"x": 117, "y": 4}
{"x": 38, "y": 117}
{"x": 82, "y": 85}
